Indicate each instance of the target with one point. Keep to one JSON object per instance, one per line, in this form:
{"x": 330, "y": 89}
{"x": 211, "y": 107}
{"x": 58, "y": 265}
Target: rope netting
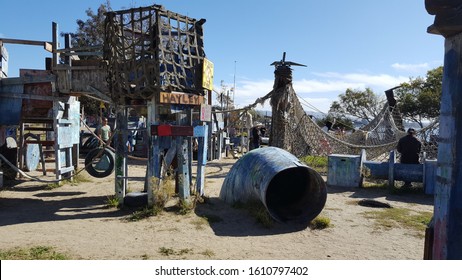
{"x": 150, "y": 49}
{"x": 295, "y": 131}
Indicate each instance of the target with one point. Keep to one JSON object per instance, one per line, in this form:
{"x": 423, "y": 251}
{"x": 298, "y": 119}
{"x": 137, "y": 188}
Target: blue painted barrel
{"x": 401, "y": 171}
{"x": 290, "y": 190}
{"x": 378, "y": 170}
{"x": 408, "y": 172}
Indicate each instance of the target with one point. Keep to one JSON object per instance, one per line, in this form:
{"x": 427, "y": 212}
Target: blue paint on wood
{"x": 429, "y": 176}
{"x": 32, "y": 156}
{"x": 200, "y": 131}
{"x": 344, "y": 171}
{"x": 183, "y": 169}
{"x": 201, "y": 160}
{"x": 448, "y": 188}
{"x": 10, "y": 108}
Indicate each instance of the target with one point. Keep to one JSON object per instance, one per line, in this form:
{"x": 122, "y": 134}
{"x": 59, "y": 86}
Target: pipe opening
{"x": 296, "y": 194}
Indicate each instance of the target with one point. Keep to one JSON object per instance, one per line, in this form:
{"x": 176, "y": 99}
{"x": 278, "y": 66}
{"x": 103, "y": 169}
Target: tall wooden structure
{"x": 158, "y": 57}
{"x": 447, "y": 241}
{"x": 33, "y": 103}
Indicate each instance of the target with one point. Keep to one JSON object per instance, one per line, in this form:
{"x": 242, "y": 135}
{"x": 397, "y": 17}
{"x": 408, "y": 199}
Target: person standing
{"x": 256, "y": 137}
{"x": 105, "y": 131}
{"x": 409, "y": 147}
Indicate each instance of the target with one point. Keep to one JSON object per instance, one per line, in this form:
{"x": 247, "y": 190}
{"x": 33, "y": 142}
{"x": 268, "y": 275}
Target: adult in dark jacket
{"x": 409, "y": 147}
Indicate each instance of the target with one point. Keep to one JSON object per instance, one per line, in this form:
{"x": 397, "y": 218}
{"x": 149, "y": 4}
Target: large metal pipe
{"x": 290, "y": 190}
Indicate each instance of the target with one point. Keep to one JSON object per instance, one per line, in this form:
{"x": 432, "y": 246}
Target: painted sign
{"x": 181, "y": 98}
{"x": 207, "y": 74}
{"x": 206, "y": 113}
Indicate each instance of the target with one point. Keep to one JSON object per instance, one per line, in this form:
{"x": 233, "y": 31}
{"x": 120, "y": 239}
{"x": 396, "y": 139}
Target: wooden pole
{"x": 55, "y": 44}
{"x": 120, "y": 155}
{"x": 182, "y": 151}
{"x": 154, "y": 163}
{"x": 448, "y": 190}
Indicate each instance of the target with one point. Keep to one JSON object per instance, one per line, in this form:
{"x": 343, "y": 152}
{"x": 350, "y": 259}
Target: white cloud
{"x": 320, "y": 91}
{"x": 415, "y": 68}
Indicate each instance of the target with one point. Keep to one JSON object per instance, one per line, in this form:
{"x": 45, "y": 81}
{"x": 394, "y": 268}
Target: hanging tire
{"x": 11, "y": 154}
{"x": 101, "y": 166}
{"x": 91, "y": 143}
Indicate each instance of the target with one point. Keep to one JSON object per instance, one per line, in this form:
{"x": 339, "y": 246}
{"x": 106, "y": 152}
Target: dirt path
{"x": 75, "y": 220}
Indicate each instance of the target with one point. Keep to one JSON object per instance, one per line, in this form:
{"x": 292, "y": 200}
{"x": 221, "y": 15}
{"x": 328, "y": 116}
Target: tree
{"x": 90, "y": 32}
{"x": 419, "y": 99}
{"x": 337, "y": 123}
{"x": 365, "y": 105}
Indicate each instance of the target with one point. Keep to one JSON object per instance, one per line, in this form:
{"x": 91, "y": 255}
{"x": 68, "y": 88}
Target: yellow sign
{"x": 101, "y": 105}
{"x": 181, "y": 98}
{"x": 207, "y": 74}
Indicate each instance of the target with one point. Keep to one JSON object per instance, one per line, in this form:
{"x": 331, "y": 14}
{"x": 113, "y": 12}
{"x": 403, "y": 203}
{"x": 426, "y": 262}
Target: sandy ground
{"x": 75, "y": 220}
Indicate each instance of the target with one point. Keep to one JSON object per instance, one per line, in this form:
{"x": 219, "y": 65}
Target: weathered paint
{"x": 10, "y": 108}
{"x": 182, "y": 151}
{"x": 344, "y": 170}
{"x": 181, "y": 98}
{"x": 429, "y": 176}
{"x": 201, "y": 132}
{"x": 447, "y": 242}
{"x": 290, "y": 190}
{"x": 401, "y": 172}
{"x": 120, "y": 155}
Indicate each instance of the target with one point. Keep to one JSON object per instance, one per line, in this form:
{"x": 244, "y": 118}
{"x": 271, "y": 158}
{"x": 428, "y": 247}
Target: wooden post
{"x": 120, "y": 155}
{"x": 201, "y": 132}
{"x": 182, "y": 151}
{"x": 154, "y": 163}
{"x": 448, "y": 190}
{"x": 391, "y": 170}
{"x": 55, "y": 44}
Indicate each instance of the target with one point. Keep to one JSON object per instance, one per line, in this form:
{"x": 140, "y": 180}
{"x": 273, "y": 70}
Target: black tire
{"x": 91, "y": 143}
{"x": 90, "y": 163}
{"x": 136, "y": 199}
{"x": 12, "y": 156}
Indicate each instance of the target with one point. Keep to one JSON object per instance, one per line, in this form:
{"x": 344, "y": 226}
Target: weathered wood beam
{"x": 448, "y": 188}
{"x": 28, "y": 80}
{"x": 46, "y": 45}
{"x": 32, "y": 96}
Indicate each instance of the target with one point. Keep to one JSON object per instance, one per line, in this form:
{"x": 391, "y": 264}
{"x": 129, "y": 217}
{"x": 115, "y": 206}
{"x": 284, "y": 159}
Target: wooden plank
{"x": 39, "y": 129}
{"x": 3, "y": 52}
{"x": 49, "y": 78}
{"x": 32, "y": 97}
{"x": 43, "y": 142}
{"x": 201, "y": 160}
{"x": 64, "y": 170}
{"x": 10, "y": 108}
{"x": 448, "y": 194}
{"x": 24, "y": 42}
{"x": 3, "y": 61}
{"x": 181, "y": 98}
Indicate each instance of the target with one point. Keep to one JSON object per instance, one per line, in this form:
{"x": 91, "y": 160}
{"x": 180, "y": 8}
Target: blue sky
{"x": 345, "y": 44}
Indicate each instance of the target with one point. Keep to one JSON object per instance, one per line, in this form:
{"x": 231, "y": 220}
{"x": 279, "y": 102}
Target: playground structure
{"x": 151, "y": 57}
{"x": 350, "y": 170}
{"x": 34, "y": 104}
{"x": 291, "y": 191}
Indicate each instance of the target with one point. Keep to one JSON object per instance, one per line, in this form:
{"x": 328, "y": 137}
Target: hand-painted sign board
{"x": 181, "y": 98}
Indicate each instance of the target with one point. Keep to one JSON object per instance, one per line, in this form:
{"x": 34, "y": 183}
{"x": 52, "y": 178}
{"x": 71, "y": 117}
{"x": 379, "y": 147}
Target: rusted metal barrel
{"x": 290, "y": 190}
